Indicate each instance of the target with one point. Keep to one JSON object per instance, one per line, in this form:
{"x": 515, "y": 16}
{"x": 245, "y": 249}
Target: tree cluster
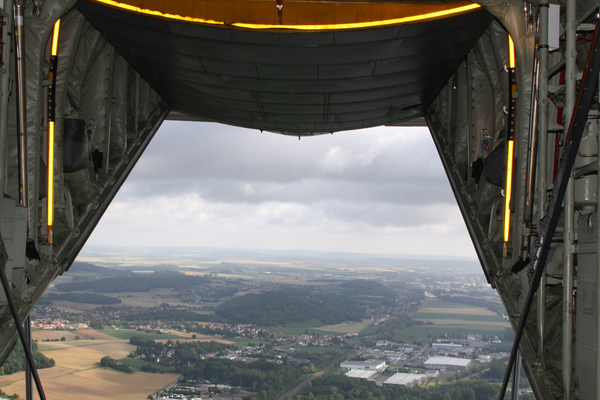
{"x": 88, "y": 298}
{"x": 339, "y": 387}
{"x": 279, "y": 307}
{"x": 6, "y": 396}
{"x": 165, "y": 314}
{"x": 182, "y": 354}
{"x": 265, "y": 376}
{"x": 16, "y": 360}
{"x": 108, "y": 362}
{"x": 135, "y": 283}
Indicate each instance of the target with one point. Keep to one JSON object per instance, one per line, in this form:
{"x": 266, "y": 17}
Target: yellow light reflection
{"x": 319, "y": 27}
{"x": 55, "y": 38}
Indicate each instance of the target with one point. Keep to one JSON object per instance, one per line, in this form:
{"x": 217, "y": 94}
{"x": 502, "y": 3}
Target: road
{"x": 475, "y": 374}
{"x": 419, "y": 353}
{"x": 310, "y": 378}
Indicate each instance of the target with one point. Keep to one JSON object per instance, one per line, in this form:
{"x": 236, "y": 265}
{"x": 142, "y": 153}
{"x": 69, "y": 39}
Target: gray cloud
{"x": 377, "y": 190}
{"x": 226, "y": 164}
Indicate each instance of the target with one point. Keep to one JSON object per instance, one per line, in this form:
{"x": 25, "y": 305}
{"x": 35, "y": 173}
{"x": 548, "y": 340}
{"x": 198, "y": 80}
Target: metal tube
{"x": 598, "y": 277}
{"x": 21, "y": 103}
{"x": 449, "y": 105}
{"x": 532, "y": 151}
{"x": 589, "y": 169}
{"x": 586, "y": 15}
{"x": 569, "y": 204}
{"x": 543, "y": 151}
{"x": 137, "y": 104}
{"x": 28, "y": 373}
{"x": 598, "y": 259}
{"x": 516, "y": 376}
{"x": 109, "y": 102}
{"x": 556, "y": 69}
{"x": 469, "y": 116}
{"x": 567, "y": 284}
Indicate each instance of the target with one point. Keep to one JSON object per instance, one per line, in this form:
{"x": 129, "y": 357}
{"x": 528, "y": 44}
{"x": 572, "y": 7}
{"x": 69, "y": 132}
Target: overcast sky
{"x": 380, "y": 190}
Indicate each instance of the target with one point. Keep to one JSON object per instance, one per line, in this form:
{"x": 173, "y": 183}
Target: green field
{"x": 447, "y": 304}
{"x": 369, "y": 330}
{"x": 127, "y": 334}
{"x": 316, "y": 349}
{"x": 241, "y": 342}
{"x": 316, "y": 327}
{"x": 294, "y": 331}
{"x": 311, "y": 323}
{"x": 460, "y": 317}
{"x": 203, "y": 312}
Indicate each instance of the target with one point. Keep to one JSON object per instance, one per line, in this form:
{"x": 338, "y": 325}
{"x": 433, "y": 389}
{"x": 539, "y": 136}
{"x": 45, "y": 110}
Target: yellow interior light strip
{"x": 510, "y": 141}
{"x": 155, "y": 13}
{"x": 511, "y": 52}
{"x": 508, "y": 193}
{"x": 55, "y": 38}
{"x": 51, "y": 116}
{"x": 353, "y": 25}
{"x": 50, "y": 178}
{"x": 370, "y": 24}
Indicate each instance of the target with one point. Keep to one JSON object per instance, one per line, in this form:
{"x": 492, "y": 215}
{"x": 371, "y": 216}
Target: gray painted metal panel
{"x": 585, "y": 325}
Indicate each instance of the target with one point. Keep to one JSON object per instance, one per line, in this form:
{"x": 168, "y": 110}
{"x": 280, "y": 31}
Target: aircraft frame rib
{"x": 548, "y": 223}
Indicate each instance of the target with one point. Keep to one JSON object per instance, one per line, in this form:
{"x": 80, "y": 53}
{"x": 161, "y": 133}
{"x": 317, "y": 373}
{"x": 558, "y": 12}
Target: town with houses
{"x": 378, "y": 353}
{"x": 382, "y": 363}
{"x": 379, "y": 364}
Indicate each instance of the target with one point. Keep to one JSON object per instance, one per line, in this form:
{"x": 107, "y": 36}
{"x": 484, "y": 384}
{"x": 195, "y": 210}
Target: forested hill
{"x": 79, "y": 266}
{"x": 363, "y": 287}
{"x": 278, "y": 308}
{"x": 136, "y": 283}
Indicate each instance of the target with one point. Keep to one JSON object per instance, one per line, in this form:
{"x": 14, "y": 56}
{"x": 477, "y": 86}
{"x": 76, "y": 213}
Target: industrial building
{"x": 443, "y": 363}
{"x": 446, "y": 346}
{"x": 361, "y": 374}
{"x": 408, "y": 380}
{"x": 371, "y": 365}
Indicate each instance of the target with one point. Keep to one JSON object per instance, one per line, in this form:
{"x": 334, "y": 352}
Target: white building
{"x": 373, "y": 365}
{"x": 393, "y": 357}
{"x": 360, "y": 374}
{"x": 446, "y": 346}
{"x": 408, "y": 380}
{"x": 443, "y": 363}
{"x": 432, "y": 373}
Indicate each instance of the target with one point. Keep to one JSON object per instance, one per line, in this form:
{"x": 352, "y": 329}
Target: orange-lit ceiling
{"x": 293, "y": 79}
{"x": 296, "y": 14}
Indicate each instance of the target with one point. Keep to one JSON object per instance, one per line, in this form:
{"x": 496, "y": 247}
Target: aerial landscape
{"x": 215, "y": 323}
